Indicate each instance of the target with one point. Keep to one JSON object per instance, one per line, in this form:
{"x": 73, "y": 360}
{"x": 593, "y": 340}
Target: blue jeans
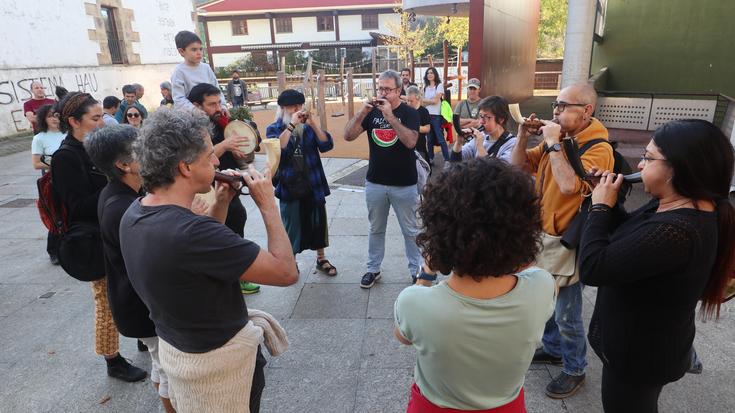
{"x": 436, "y": 137}
{"x": 404, "y": 200}
{"x": 564, "y": 332}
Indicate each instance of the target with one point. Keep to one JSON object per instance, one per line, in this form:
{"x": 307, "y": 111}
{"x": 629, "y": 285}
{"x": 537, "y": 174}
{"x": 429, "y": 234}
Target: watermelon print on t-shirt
{"x": 384, "y": 137}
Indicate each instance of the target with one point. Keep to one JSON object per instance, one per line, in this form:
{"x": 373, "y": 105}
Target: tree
{"x": 408, "y": 32}
{"x": 552, "y": 28}
{"x": 455, "y": 30}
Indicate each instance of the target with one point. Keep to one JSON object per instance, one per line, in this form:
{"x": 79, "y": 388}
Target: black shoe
{"x": 564, "y": 386}
{"x": 54, "y": 259}
{"x": 542, "y": 357}
{"x": 142, "y": 346}
{"x": 120, "y": 368}
{"x": 369, "y": 279}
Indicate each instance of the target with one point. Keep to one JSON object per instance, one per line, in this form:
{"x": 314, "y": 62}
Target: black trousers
{"x": 621, "y": 395}
{"x": 236, "y": 217}
{"x": 52, "y": 244}
{"x": 256, "y": 391}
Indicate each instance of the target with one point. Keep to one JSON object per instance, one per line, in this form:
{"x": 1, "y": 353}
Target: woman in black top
{"x": 653, "y": 265}
{"x": 77, "y": 184}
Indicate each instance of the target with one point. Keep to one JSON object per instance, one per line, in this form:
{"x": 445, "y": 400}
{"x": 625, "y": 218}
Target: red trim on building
{"x": 275, "y": 5}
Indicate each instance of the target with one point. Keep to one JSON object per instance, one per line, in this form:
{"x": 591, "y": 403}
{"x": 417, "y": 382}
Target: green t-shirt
{"x": 473, "y": 354}
{"x": 467, "y": 109}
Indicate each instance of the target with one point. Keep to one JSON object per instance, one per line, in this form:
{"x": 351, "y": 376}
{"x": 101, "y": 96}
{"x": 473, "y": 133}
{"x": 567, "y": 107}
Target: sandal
{"x": 326, "y": 267}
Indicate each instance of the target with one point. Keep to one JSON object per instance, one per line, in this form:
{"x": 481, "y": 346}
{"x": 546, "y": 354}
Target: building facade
{"x": 94, "y": 46}
{"x": 240, "y": 28}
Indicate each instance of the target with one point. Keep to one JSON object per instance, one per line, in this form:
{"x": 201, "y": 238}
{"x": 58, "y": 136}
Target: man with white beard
{"x": 301, "y": 185}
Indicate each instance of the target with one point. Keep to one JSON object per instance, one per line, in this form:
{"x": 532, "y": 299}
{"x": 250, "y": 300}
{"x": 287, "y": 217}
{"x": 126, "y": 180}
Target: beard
{"x": 286, "y": 117}
{"x": 219, "y": 119}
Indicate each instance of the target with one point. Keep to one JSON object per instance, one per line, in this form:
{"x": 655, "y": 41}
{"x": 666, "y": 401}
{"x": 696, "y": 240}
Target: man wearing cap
{"x": 168, "y": 99}
{"x": 301, "y": 185}
{"x": 468, "y": 109}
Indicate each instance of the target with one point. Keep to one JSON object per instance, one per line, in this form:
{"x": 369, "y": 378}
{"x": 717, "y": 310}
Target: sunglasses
{"x": 133, "y": 115}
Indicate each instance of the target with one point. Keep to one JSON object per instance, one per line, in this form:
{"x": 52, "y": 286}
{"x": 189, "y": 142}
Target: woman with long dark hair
{"x": 77, "y": 183}
{"x": 433, "y": 94}
{"x": 654, "y": 265}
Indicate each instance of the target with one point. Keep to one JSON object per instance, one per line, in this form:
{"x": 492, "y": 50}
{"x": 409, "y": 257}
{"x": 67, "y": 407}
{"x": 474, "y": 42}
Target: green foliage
{"x": 241, "y": 113}
{"x": 552, "y": 28}
{"x": 455, "y": 30}
{"x": 413, "y": 36}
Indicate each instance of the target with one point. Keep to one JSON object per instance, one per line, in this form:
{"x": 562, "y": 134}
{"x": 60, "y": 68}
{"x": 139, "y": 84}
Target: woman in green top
{"x": 476, "y": 332}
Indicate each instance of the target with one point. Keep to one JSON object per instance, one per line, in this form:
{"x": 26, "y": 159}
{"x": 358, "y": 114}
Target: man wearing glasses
{"x": 561, "y": 193}
{"x": 392, "y": 128}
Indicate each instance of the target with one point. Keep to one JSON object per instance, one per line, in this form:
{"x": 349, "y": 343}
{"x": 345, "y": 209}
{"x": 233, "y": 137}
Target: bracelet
{"x": 291, "y": 127}
{"x": 600, "y": 207}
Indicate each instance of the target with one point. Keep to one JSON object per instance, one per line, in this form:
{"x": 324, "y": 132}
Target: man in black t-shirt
{"x": 186, "y": 268}
{"x": 206, "y": 97}
{"x": 392, "y": 128}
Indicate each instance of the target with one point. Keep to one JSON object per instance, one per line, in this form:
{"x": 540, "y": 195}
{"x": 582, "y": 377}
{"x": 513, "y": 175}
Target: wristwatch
{"x": 554, "y": 148}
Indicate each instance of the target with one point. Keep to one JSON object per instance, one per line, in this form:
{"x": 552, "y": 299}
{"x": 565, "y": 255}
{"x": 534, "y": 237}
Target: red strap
{"x": 419, "y": 404}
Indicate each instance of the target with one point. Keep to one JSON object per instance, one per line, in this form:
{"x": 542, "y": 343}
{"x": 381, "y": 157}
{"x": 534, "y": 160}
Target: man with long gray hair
{"x": 187, "y": 268}
{"x": 392, "y": 128}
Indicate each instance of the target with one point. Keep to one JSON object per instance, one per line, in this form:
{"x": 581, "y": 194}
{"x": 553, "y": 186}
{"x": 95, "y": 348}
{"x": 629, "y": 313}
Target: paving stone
{"x": 331, "y": 301}
{"x": 382, "y": 297}
{"x": 325, "y": 344}
{"x": 381, "y": 349}
{"x": 278, "y": 301}
{"x": 13, "y": 297}
{"x": 309, "y": 390}
{"x": 383, "y": 390}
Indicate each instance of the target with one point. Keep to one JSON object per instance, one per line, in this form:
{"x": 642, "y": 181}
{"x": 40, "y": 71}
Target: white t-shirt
{"x": 429, "y": 93}
{"x": 46, "y": 143}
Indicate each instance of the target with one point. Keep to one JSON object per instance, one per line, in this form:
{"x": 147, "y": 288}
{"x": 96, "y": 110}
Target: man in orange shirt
{"x": 562, "y": 193}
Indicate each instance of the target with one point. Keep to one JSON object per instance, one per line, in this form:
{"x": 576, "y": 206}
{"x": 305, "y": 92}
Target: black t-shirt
{"x": 227, "y": 160}
{"x": 186, "y": 269}
{"x": 403, "y": 88}
{"x": 130, "y": 314}
{"x": 391, "y": 162}
{"x": 424, "y": 119}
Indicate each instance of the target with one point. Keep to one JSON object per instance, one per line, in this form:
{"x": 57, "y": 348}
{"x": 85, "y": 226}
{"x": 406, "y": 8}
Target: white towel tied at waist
{"x": 274, "y": 335}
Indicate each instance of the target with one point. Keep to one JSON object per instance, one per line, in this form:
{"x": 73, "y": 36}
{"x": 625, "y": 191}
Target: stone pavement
{"x": 343, "y": 356}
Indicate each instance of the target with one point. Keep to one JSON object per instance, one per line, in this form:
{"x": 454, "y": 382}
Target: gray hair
{"x": 108, "y": 145}
{"x": 391, "y": 74}
{"x": 36, "y": 82}
{"x": 166, "y": 85}
{"x": 167, "y": 138}
{"x": 414, "y": 91}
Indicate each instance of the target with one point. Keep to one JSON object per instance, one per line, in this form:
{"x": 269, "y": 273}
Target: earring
{"x": 668, "y": 181}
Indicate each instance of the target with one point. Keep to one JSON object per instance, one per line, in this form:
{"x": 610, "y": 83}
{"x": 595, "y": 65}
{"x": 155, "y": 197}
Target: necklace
{"x": 668, "y": 207}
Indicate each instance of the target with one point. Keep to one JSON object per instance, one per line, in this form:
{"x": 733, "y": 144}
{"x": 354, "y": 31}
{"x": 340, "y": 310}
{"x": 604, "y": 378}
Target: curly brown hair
{"x": 481, "y": 218}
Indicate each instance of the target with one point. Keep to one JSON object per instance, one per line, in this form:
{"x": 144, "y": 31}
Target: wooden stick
{"x": 459, "y": 74}
{"x": 281, "y": 77}
{"x": 321, "y": 106}
{"x": 350, "y": 94}
{"x": 374, "y": 69}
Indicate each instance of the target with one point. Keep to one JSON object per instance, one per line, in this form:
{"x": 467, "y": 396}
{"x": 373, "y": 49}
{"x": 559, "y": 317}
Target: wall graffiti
{"x": 16, "y": 91}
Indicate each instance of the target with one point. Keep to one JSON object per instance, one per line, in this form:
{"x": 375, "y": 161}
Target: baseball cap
{"x": 473, "y": 83}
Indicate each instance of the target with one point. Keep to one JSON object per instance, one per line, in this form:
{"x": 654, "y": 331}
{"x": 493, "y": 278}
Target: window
{"x": 369, "y": 21}
{"x": 239, "y": 27}
{"x": 113, "y": 40}
{"x": 324, "y": 23}
{"x": 600, "y": 20}
{"x": 283, "y": 25}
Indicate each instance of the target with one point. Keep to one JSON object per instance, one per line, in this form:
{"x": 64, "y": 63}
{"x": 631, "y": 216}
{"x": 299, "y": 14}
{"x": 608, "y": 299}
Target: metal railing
{"x": 117, "y": 50}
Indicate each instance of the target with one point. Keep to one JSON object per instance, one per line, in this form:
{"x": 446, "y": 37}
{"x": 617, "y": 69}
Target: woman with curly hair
{"x": 476, "y": 332}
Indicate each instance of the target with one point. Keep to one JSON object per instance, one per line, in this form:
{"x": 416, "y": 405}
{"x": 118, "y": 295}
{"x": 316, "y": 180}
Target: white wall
{"x": 54, "y": 33}
{"x": 304, "y": 30}
{"x": 100, "y": 81}
{"x": 157, "y": 22}
{"x": 45, "y": 34}
{"x": 224, "y": 59}
{"x": 350, "y": 26}
{"x": 220, "y": 33}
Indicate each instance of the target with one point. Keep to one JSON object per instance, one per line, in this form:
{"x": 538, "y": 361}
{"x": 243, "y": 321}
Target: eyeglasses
{"x": 645, "y": 159}
{"x": 133, "y": 115}
{"x": 563, "y": 105}
{"x": 387, "y": 89}
{"x": 57, "y": 115}
{"x": 483, "y": 117}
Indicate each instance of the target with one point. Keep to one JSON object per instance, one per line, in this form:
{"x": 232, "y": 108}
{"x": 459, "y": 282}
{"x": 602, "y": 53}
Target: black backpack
{"x": 621, "y": 166}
